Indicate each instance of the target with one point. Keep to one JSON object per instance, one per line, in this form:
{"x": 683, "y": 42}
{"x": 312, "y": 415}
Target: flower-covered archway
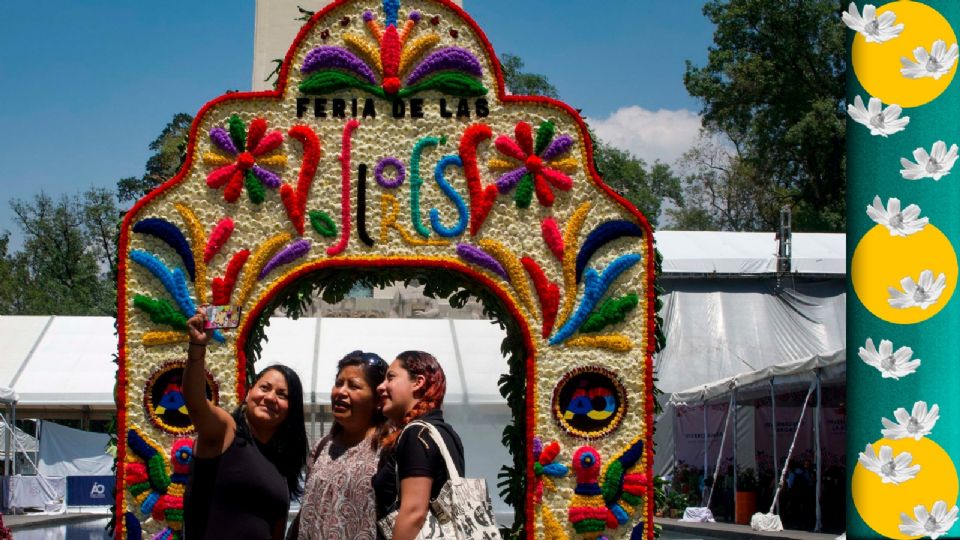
{"x": 390, "y": 143}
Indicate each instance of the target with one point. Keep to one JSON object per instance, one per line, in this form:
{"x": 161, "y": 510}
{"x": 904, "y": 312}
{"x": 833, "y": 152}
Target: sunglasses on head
{"x": 374, "y": 360}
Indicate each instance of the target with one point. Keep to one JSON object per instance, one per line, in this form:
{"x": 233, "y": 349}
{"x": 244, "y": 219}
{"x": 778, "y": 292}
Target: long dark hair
{"x": 434, "y": 388}
{"x": 287, "y": 449}
{"x": 374, "y": 371}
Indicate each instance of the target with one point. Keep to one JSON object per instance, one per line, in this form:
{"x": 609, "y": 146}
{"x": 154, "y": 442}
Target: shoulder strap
{"x": 438, "y": 439}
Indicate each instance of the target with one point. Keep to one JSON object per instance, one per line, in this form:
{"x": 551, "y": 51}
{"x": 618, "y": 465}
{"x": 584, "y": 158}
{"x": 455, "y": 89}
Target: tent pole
{"x": 816, "y": 432}
{"x": 705, "y": 440}
{"x": 13, "y": 433}
{"x": 773, "y": 416}
{"x": 733, "y": 403}
{"x": 6, "y": 446}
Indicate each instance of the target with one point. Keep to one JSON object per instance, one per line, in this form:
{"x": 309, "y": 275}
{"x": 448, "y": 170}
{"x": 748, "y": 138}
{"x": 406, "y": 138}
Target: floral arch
{"x": 391, "y": 143}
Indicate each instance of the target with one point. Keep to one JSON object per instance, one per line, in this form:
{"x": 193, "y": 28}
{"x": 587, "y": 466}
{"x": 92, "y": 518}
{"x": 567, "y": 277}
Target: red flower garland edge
{"x": 503, "y": 98}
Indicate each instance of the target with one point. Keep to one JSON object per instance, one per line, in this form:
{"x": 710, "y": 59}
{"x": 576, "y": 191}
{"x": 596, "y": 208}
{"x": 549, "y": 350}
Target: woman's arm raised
{"x": 215, "y": 427}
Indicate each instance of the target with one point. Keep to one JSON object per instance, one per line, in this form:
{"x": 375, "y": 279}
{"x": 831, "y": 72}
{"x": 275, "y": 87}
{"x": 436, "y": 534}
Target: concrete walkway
{"x": 735, "y": 532}
{"x": 35, "y": 521}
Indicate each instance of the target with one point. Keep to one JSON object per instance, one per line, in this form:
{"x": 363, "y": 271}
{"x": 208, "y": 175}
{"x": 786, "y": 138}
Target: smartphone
{"x": 222, "y": 316}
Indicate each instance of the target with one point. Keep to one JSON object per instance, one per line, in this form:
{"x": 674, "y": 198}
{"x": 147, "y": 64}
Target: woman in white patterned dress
{"x": 338, "y": 497}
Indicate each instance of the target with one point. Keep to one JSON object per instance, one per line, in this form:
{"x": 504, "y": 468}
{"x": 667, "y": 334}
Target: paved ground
{"x": 27, "y": 521}
{"x": 737, "y": 532}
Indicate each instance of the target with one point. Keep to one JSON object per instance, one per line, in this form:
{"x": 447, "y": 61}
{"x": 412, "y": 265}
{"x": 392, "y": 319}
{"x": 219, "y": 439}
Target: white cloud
{"x": 650, "y": 135}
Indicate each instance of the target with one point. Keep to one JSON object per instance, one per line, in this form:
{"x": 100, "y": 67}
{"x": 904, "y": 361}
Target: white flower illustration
{"x": 918, "y": 424}
{"x": 923, "y": 293}
{"x": 936, "y": 63}
{"x": 892, "y": 365}
{"x": 898, "y": 222}
{"x": 881, "y": 121}
{"x": 892, "y": 470}
{"x": 936, "y": 164}
{"x": 934, "y": 523}
{"x": 874, "y": 29}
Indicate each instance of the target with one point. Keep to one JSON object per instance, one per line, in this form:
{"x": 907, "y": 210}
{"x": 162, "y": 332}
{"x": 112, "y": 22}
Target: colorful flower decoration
{"x": 149, "y": 480}
{"x": 605, "y": 503}
{"x": 449, "y": 70}
{"x": 541, "y": 170}
{"x": 181, "y": 454}
{"x": 545, "y": 466}
{"x": 241, "y": 157}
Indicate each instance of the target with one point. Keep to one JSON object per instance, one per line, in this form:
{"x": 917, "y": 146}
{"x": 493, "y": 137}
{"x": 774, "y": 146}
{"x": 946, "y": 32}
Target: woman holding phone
{"x": 246, "y": 465}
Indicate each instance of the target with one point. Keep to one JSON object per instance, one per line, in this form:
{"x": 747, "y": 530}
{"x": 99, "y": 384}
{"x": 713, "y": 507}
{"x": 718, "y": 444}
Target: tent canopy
{"x": 67, "y": 362}
{"x": 754, "y": 384}
{"x": 468, "y": 350}
{"x": 749, "y": 253}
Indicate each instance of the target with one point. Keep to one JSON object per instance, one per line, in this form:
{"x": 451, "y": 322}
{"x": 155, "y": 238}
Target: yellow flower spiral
{"x": 152, "y": 339}
{"x": 518, "y": 278}
{"x": 365, "y": 48}
{"x": 198, "y": 241}
{"x": 613, "y": 342}
{"x": 216, "y": 160}
{"x": 416, "y": 49}
{"x": 570, "y": 261}
{"x": 277, "y": 160}
{"x": 552, "y": 530}
{"x": 389, "y": 208}
{"x": 256, "y": 262}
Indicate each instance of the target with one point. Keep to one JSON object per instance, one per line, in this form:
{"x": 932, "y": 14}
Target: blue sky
{"x": 87, "y": 85}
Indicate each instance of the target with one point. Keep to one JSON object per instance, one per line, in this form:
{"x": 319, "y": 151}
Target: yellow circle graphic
{"x": 880, "y": 505}
{"x": 877, "y": 65}
{"x": 881, "y": 261}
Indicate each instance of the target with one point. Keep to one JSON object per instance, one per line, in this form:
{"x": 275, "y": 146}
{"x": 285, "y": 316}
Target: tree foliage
{"x": 522, "y": 83}
{"x": 773, "y": 89}
{"x": 68, "y": 256}
{"x": 645, "y": 187}
{"x": 169, "y": 152}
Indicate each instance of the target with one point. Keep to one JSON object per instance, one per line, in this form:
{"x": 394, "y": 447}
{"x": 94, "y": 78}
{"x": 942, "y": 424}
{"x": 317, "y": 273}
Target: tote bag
{"x": 462, "y": 509}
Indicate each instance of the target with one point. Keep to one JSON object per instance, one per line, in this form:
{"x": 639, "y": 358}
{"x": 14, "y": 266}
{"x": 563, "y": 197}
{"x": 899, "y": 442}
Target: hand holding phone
{"x": 222, "y": 316}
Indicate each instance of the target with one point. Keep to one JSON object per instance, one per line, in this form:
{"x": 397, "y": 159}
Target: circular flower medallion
{"x": 164, "y": 401}
{"x": 589, "y": 402}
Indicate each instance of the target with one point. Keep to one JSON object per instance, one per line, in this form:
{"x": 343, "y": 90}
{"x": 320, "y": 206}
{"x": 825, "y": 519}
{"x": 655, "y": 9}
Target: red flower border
{"x": 124, "y": 242}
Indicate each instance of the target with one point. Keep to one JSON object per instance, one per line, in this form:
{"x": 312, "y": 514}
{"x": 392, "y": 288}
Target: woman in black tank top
{"x": 247, "y": 465}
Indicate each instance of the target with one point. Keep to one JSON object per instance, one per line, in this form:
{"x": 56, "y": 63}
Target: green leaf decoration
{"x": 612, "y": 481}
{"x": 453, "y": 84}
{"x": 612, "y": 311}
{"x": 545, "y": 133}
{"x": 323, "y": 224}
{"x": 160, "y": 311}
{"x": 238, "y": 132}
{"x": 325, "y": 82}
{"x": 524, "y": 193}
{"x": 255, "y": 190}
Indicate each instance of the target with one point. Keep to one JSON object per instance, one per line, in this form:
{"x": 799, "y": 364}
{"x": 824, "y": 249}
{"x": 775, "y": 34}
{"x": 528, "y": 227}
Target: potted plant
{"x": 676, "y": 503}
{"x": 746, "y": 497}
{"x": 659, "y": 496}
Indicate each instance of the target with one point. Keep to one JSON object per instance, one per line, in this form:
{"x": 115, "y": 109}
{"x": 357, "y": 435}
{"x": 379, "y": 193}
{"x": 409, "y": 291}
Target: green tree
{"x": 523, "y": 83}
{"x": 773, "y": 87}
{"x": 61, "y": 269}
{"x": 645, "y": 187}
{"x": 169, "y": 152}
{"x": 723, "y": 192}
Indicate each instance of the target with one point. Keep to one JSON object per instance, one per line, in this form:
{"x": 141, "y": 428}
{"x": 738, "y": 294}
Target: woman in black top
{"x": 247, "y": 465}
{"x": 413, "y": 390}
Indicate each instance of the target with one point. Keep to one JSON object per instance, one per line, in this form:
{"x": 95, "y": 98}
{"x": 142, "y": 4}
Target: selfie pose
{"x": 412, "y": 469}
{"x": 246, "y": 465}
{"x": 338, "y": 496}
